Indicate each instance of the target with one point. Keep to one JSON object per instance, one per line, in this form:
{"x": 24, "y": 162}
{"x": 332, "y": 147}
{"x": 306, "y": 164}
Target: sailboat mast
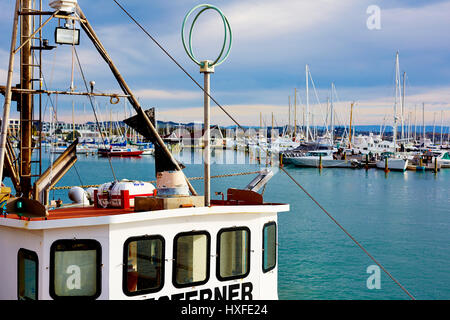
{"x": 397, "y": 83}
{"x": 73, "y": 120}
{"x": 403, "y": 106}
{"x": 415, "y": 122}
{"x": 289, "y": 115}
{"x": 423, "y": 121}
{"x": 331, "y": 114}
{"x": 350, "y": 128}
{"x": 272, "y": 131}
{"x": 295, "y": 112}
{"x": 434, "y": 125}
{"x": 307, "y": 104}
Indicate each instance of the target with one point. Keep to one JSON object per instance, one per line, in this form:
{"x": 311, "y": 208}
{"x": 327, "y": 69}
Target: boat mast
{"x": 350, "y": 128}
{"x": 415, "y": 122}
{"x": 25, "y": 105}
{"x": 272, "y": 131}
{"x": 423, "y": 122}
{"x": 331, "y": 114}
{"x": 289, "y": 116}
{"x": 307, "y": 104}
{"x": 434, "y": 125}
{"x": 295, "y": 112}
{"x": 397, "y": 83}
{"x": 403, "y": 106}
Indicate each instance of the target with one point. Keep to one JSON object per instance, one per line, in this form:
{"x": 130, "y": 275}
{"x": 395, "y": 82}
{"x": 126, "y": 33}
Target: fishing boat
{"x": 125, "y": 239}
{"x": 119, "y": 152}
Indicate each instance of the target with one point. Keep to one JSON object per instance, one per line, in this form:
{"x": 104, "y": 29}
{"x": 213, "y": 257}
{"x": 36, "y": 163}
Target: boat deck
{"x": 92, "y": 211}
{"x": 73, "y": 212}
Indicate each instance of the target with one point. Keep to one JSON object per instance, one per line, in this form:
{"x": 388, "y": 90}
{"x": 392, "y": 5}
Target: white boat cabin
{"x": 225, "y": 251}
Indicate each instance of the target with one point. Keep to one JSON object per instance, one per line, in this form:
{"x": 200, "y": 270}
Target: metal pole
{"x": 8, "y": 93}
{"x": 206, "y": 70}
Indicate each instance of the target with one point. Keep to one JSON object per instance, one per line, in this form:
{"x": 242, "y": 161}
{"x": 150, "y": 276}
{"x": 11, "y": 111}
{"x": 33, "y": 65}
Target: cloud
{"x": 167, "y": 94}
{"x": 367, "y": 110}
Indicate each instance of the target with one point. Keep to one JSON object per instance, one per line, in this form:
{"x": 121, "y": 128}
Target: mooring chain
{"x": 264, "y": 149}
{"x": 154, "y": 181}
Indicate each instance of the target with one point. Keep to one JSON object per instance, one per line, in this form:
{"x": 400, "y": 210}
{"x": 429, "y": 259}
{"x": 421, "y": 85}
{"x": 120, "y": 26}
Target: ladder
{"x": 36, "y": 83}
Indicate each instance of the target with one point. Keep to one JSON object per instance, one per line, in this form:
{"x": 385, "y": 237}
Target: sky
{"x": 343, "y": 42}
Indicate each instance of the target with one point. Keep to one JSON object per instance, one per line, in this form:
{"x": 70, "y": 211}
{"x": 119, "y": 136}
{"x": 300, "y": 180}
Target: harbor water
{"x": 402, "y": 219}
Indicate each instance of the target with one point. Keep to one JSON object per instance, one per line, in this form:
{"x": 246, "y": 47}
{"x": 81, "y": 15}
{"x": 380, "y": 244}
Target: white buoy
{"x": 78, "y": 195}
{"x": 64, "y": 5}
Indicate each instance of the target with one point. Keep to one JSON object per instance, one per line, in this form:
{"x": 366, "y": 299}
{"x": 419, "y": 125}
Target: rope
{"x": 346, "y": 232}
{"x": 267, "y": 152}
{"x": 93, "y": 109}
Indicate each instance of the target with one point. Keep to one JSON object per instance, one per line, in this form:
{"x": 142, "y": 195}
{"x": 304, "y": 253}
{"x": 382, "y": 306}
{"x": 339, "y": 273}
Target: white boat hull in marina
{"x": 326, "y": 163}
{"x": 393, "y": 164}
{"x": 80, "y": 150}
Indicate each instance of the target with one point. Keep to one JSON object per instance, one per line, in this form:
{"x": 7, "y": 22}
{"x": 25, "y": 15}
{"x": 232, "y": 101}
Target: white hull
{"x": 315, "y": 161}
{"x": 393, "y": 164}
{"x": 80, "y": 150}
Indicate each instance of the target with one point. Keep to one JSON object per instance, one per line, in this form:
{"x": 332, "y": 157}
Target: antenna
{"x": 207, "y": 67}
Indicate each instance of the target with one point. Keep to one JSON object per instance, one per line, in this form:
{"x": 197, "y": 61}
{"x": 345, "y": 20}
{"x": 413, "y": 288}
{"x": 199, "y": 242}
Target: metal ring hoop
{"x": 227, "y": 29}
{"x": 114, "y": 100}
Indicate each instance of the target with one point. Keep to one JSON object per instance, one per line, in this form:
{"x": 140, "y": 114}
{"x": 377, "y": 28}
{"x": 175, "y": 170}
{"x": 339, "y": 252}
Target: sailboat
{"x": 125, "y": 239}
{"x": 393, "y": 160}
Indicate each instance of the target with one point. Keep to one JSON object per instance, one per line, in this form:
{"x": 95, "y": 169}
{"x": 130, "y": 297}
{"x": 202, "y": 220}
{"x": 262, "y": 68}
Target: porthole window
{"x": 27, "y": 275}
{"x": 269, "y": 246}
{"x": 191, "y": 254}
{"x": 233, "y": 247}
{"x": 75, "y": 269}
{"x": 143, "y": 265}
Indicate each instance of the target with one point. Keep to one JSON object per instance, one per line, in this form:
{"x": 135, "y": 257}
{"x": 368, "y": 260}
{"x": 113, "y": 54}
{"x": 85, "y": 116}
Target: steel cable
{"x": 267, "y": 152}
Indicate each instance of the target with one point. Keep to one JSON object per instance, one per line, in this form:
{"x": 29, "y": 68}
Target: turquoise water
{"x": 402, "y": 219}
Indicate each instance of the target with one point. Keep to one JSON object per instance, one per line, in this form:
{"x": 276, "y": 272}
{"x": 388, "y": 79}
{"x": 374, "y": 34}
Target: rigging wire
{"x": 93, "y": 109}
{"x": 267, "y": 152}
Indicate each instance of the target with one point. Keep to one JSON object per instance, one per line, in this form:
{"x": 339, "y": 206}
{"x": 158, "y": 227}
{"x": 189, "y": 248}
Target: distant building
{"x": 14, "y": 125}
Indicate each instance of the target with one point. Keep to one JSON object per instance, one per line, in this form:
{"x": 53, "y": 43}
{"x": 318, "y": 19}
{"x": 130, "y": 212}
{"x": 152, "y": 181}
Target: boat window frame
{"x": 125, "y": 265}
{"x": 208, "y": 258}
{"x": 263, "y": 249}
{"x": 241, "y": 276}
{"x": 31, "y": 255}
{"x": 91, "y": 244}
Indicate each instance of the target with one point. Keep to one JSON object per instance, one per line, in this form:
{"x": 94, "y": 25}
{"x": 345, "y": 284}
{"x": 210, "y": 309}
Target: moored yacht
{"x": 324, "y": 159}
{"x": 391, "y": 161}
